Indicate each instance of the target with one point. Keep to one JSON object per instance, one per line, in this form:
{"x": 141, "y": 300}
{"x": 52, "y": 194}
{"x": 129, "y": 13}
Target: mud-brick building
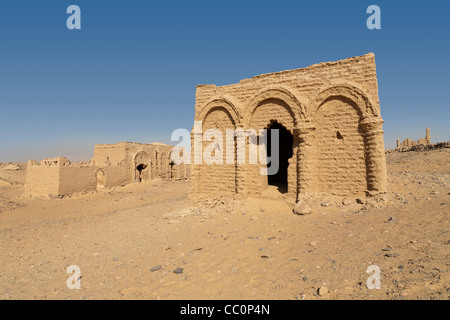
{"x": 113, "y": 165}
{"x": 330, "y": 129}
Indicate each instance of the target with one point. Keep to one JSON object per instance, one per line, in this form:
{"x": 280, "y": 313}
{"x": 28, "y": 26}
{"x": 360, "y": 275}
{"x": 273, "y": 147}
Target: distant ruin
{"x": 408, "y": 143}
{"x": 113, "y": 165}
{"x": 423, "y": 144}
{"x": 331, "y": 136}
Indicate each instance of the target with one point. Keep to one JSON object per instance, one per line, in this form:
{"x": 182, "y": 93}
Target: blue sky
{"x": 130, "y": 73}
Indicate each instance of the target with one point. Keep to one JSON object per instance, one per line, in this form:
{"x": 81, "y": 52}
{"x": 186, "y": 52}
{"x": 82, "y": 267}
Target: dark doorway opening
{"x": 140, "y": 168}
{"x": 171, "y": 164}
{"x": 286, "y": 141}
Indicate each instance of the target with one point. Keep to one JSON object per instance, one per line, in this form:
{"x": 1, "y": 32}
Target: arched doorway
{"x": 273, "y": 113}
{"x": 142, "y": 167}
{"x": 285, "y": 148}
{"x": 101, "y": 180}
{"x": 141, "y": 170}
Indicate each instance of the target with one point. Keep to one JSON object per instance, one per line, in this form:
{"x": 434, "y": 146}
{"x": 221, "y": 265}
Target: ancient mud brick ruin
{"x": 113, "y": 165}
{"x": 328, "y": 116}
{"x": 408, "y": 143}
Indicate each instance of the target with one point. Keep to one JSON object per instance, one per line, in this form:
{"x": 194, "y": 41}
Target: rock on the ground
{"x": 178, "y": 270}
{"x": 156, "y": 268}
{"x": 347, "y": 202}
{"x": 302, "y": 208}
{"x": 322, "y": 291}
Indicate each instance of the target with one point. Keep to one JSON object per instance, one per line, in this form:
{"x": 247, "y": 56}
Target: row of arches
{"x": 298, "y": 108}
{"x": 158, "y": 166}
{"x": 144, "y": 166}
{"x": 332, "y": 142}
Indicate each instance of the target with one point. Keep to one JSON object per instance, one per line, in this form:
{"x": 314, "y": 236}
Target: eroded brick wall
{"x": 332, "y": 110}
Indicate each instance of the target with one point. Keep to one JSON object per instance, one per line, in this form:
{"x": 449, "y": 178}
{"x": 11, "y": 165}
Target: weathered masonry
{"x": 113, "y": 165}
{"x": 330, "y": 128}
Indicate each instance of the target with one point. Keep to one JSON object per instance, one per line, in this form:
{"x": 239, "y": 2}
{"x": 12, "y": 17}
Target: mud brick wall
{"x": 331, "y": 110}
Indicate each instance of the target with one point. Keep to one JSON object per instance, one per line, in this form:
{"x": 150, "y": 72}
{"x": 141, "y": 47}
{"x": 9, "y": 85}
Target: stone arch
{"x": 142, "y": 167}
{"x": 273, "y": 105}
{"x": 369, "y": 129}
{"x": 350, "y": 91}
{"x": 290, "y": 101}
{"x": 339, "y": 146}
{"x": 222, "y": 115}
{"x": 101, "y": 179}
{"x": 221, "y": 102}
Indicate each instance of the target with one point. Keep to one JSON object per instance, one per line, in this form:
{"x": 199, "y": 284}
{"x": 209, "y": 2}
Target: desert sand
{"x": 129, "y": 240}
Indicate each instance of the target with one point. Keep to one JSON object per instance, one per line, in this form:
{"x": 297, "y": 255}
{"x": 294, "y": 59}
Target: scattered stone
{"x": 178, "y": 270}
{"x": 301, "y": 208}
{"x": 264, "y": 256}
{"x": 156, "y": 268}
{"x": 326, "y": 204}
{"x": 322, "y": 291}
{"x": 305, "y": 278}
{"x": 115, "y": 259}
{"x": 360, "y": 201}
{"x": 347, "y": 202}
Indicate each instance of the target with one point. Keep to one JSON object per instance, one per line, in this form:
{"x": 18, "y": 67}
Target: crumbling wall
{"x": 42, "y": 177}
{"x": 77, "y": 179}
{"x": 332, "y": 111}
{"x": 408, "y": 143}
{"x": 106, "y": 155}
{"x": 58, "y": 177}
{"x": 113, "y": 165}
{"x": 115, "y": 176}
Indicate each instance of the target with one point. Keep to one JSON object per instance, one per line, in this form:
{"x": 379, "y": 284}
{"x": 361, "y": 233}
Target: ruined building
{"x": 113, "y": 165}
{"x": 330, "y": 128}
{"x": 408, "y": 143}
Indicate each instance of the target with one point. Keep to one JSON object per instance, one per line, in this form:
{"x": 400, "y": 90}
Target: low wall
{"x": 77, "y": 179}
{"x": 42, "y": 180}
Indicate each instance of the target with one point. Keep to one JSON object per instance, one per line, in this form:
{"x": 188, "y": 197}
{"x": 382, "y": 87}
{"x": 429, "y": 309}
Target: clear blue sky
{"x": 130, "y": 73}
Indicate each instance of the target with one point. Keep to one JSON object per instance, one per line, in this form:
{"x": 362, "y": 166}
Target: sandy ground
{"x": 128, "y": 241}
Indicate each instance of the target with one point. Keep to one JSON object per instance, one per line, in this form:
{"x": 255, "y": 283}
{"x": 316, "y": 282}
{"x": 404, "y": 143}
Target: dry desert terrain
{"x": 128, "y": 241}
